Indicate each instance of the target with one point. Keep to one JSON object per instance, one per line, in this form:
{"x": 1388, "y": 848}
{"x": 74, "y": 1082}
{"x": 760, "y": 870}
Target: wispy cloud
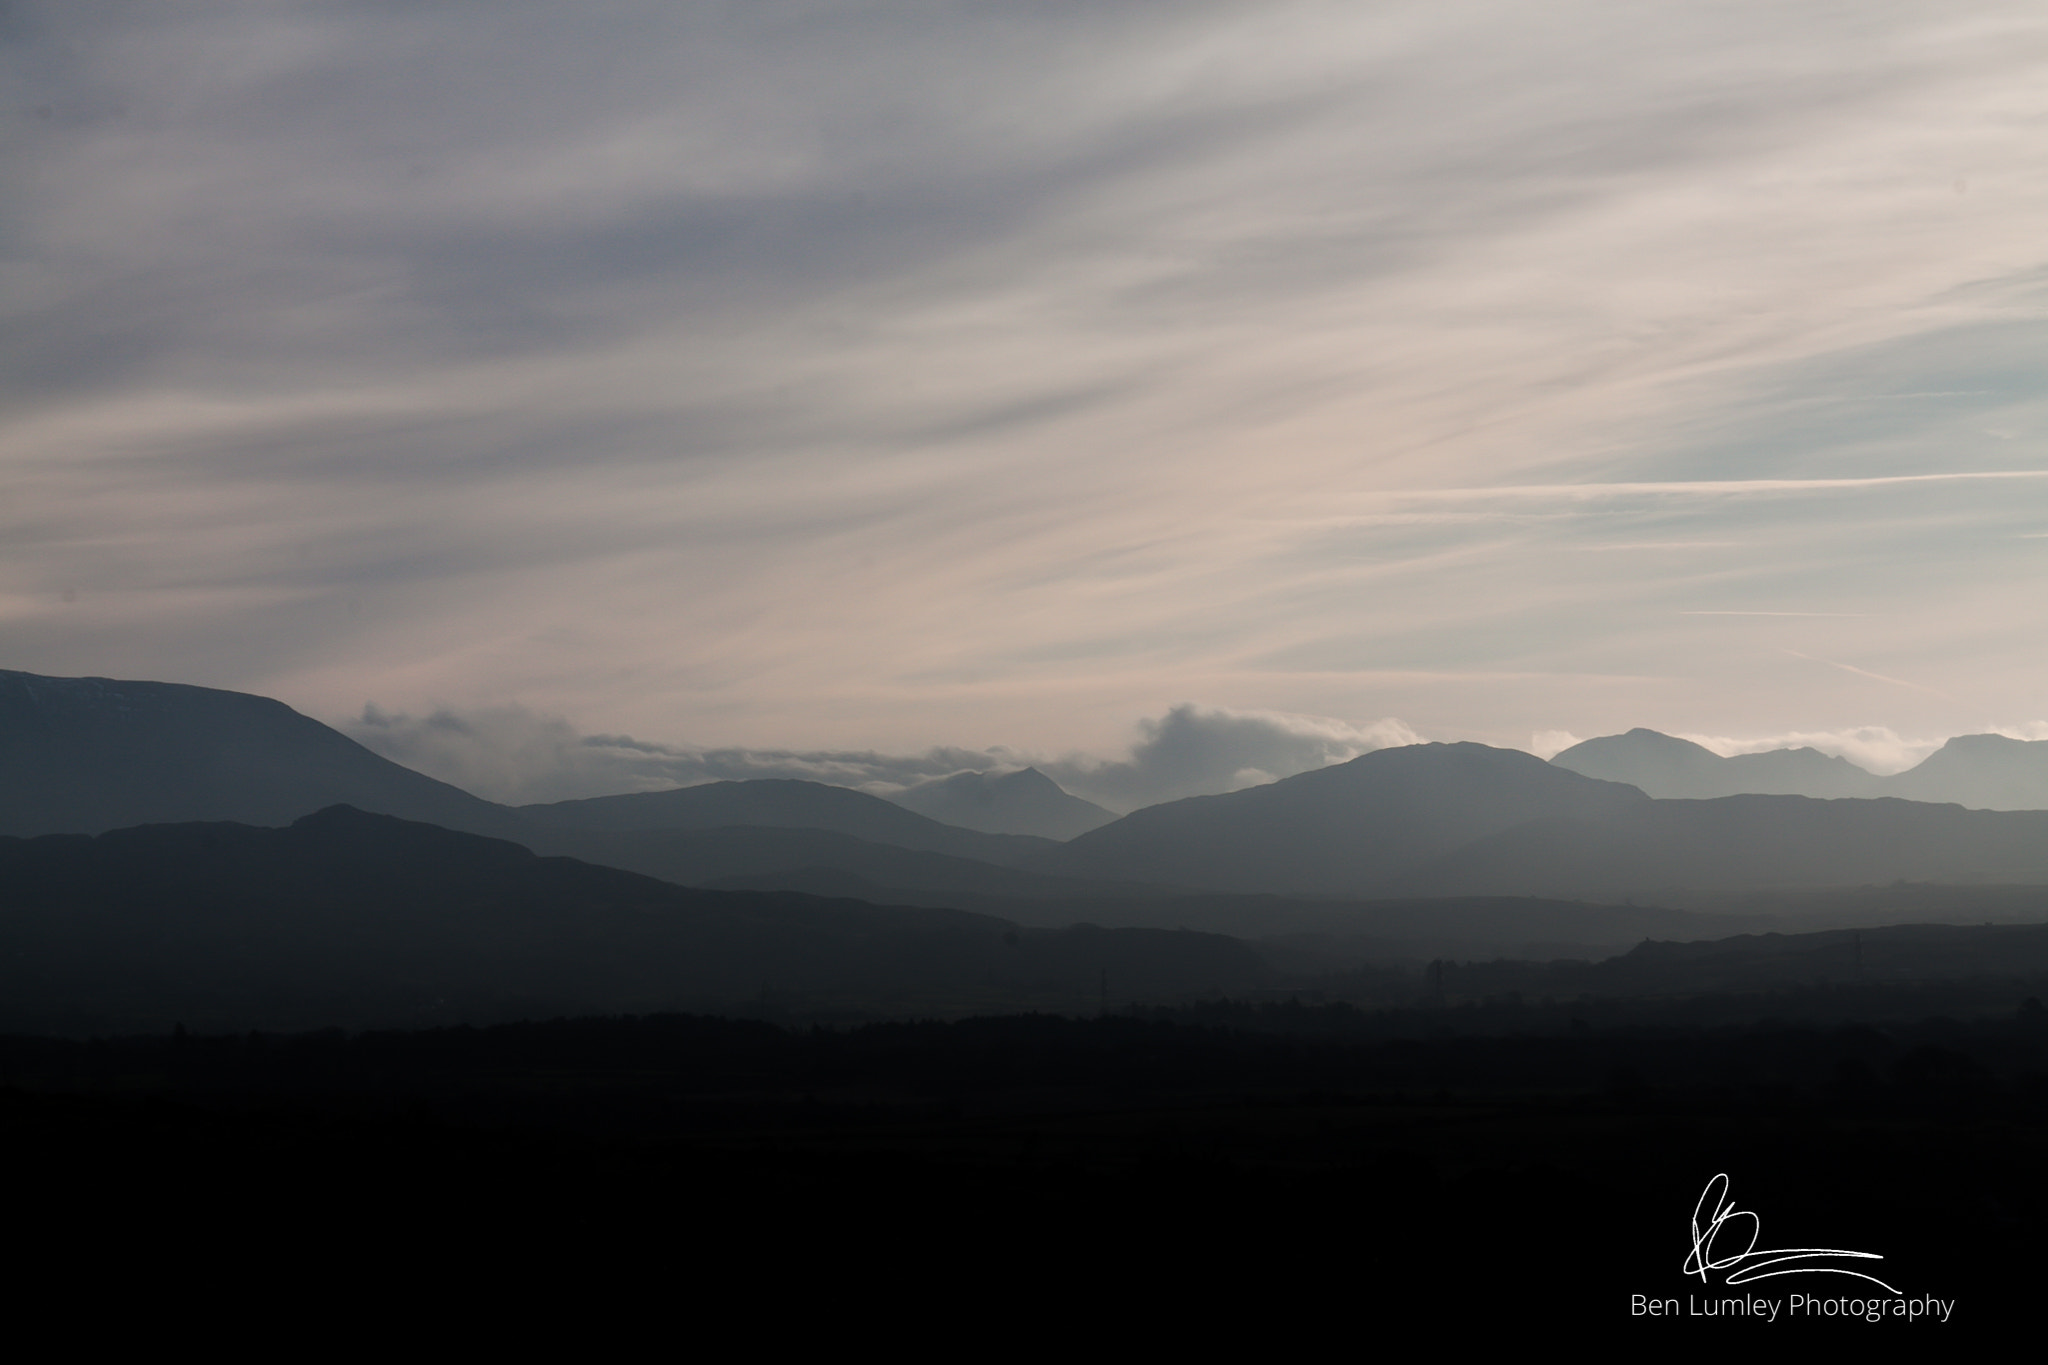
{"x": 1708, "y": 488}
{"x": 1866, "y": 673}
{"x": 1874, "y": 748}
{"x": 1548, "y": 744}
{"x": 836, "y": 379}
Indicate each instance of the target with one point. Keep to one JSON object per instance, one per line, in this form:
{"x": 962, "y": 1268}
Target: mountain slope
{"x": 85, "y": 755}
{"x": 1667, "y": 848}
{"x": 1985, "y": 772}
{"x": 1466, "y": 820}
{"x": 1347, "y": 829}
{"x": 776, "y": 803}
{"x": 1025, "y": 802}
{"x": 1670, "y": 768}
{"x": 792, "y": 859}
{"x": 350, "y": 918}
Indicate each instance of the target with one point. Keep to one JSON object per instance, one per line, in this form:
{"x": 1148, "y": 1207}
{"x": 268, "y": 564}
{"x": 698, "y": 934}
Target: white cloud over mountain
{"x": 1874, "y": 748}
{"x": 511, "y": 755}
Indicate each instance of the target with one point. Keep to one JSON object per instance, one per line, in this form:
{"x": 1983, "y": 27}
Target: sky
{"x": 568, "y": 395}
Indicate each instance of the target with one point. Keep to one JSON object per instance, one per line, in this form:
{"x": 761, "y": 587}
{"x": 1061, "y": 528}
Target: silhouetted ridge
{"x": 351, "y": 918}
{"x": 792, "y": 858}
{"x": 774, "y": 802}
{"x": 1986, "y": 772}
{"x": 1670, "y": 768}
{"x": 1983, "y": 772}
{"x": 1663, "y": 848}
{"x": 1346, "y": 828}
{"x": 82, "y": 755}
{"x": 1022, "y": 802}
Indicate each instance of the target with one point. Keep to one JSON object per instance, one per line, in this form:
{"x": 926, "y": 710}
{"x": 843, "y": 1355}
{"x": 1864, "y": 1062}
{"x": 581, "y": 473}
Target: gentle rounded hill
{"x": 1023, "y": 802}
{"x": 1350, "y": 828}
{"x": 1667, "y": 767}
{"x": 1982, "y": 772}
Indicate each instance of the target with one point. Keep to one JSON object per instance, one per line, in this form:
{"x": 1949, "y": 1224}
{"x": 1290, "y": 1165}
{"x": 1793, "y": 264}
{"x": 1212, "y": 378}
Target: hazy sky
{"x": 876, "y": 376}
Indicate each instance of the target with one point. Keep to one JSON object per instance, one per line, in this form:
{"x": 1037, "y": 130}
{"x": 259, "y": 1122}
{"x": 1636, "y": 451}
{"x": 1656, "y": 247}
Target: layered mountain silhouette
{"x": 1357, "y": 826}
{"x": 415, "y": 902}
{"x": 1425, "y": 821}
{"x": 1664, "y": 766}
{"x": 774, "y": 803}
{"x": 1668, "y": 849}
{"x": 1983, "y": 772}
{"x": 1024, "y": 802}
{"x": 772, "y": 858}
{"x": 1846, "y": 959}
{"x": 345, "y": 917}
{"x": 86, "y": 755}
{"x": 1464, "y": 819}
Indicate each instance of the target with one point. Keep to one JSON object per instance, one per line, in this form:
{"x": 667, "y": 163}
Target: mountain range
{"x": 88, "y": 755}
{"x": 1983, "y": 772}
{"x": 1465, "y": 819}
{"x": 1324, "y": 856}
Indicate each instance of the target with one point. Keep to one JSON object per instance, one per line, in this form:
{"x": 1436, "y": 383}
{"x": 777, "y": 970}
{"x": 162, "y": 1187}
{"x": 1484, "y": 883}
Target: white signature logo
{"x": 1749, "y": 1263}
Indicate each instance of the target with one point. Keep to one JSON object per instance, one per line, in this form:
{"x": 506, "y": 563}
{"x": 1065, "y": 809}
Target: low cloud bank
{"x": 1874, "y": 748}
{"x": 1195, "y": 752}
{"x": 513, "y": 755}
{"x": 516, "y": 756}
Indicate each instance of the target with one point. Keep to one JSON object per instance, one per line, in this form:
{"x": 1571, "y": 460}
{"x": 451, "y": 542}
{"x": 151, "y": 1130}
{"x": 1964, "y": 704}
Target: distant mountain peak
{"x": 1670, "y": 768}
{"x": 1345, "y": 828}
{"x": 1639, "y": 745}
{"x": 1986, "y": 772}
{"x": 2003, "y": 745}
{"x": 1024, "y": 801}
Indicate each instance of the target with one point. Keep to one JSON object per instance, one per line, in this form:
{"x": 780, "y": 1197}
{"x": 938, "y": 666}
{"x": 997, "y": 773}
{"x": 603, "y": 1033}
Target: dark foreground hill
{"x": 1908, "y": 970}
{"x": 349, "y": 918}
{"x": 826, "y": 862}
{"x": 1674, "y": 850}
{"x": 767, "y": 803}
